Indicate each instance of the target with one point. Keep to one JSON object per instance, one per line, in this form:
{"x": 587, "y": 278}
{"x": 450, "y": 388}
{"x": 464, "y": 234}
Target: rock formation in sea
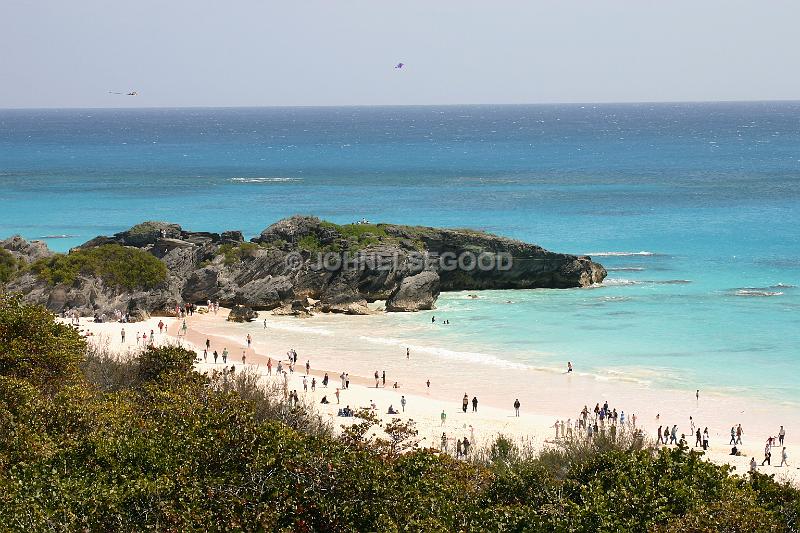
{"x": 296, "y": 266}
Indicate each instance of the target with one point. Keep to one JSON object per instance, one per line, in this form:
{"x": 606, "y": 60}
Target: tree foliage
{"x": 118, "y": 266}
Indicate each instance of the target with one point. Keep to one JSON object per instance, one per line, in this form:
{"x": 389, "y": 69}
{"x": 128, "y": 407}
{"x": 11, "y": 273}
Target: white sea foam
{"x": 757, "y": 293}
{"x": 470, "y": 357}
{"x": 625, "y": 269}
{"x": 64, "y": 236}
{"x": 621, "y": 254}
{"x": 277, "y": 179}
{"x": 615, "y": 282}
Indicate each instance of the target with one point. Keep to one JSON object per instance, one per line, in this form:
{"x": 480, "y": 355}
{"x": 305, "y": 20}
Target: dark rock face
{"x": 416, "y": 293}
{"x": 301, "y": 264}
{"x": 241, "y": 313}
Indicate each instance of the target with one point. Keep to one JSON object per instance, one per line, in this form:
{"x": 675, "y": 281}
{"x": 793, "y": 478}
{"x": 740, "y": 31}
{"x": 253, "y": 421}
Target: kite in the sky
{"x": 132, "y": 93}
{"x": 400, "y": 65}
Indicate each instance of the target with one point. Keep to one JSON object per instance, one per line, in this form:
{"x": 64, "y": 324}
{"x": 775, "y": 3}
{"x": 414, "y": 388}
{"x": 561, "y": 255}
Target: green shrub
{"x": 8, "y": 265}
{"x": 237, "y": 253}
{"x": 119, "y": 266}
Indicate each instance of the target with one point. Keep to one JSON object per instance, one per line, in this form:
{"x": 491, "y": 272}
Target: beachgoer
{"x": 347, "y": 381}
{"x": 698, "y": 438}
{"x": 458, "y": 448}
{"x": 337, "y": 395}
{"x": 408, "y": 353}
{"x": 466, "y": 446}
{"x": 249, "y": 340}
{"x": 403, "y": 403}
{"x": 569, "y": 366}
{"x": 443, "y": 416}
{"x": 465, "y": 402}
{"x": 160, "y": 326}
{"x": 122, "y": 334}
{"x": 739, "y": 432}
{"x": 753, "y": 464}
{"x": 767, "y": 454}
{"x": 784, "y": 457}
{"x": 429, "y": 383}
{"x": 208, "y": 344}
{"x": 244, "y": 356}
{"x": 205, "y": 356}
{"x": 781, "y": 436}
{"x": 313, "y": 384}
{"x": 308, "y": 366}
{"x": 269, "y": 365}
{"x": 265, "y": 327}
{"x": 325, "y": 380}
{"x": 444, "y": 442}
{"x": 383, "y": 378}
{"x": 215, "y": 357}
{"x": 324, "y": 398}
{"x": 305, "y": 384}
{"x": 733, "y": 435}
{"x": 516, "y": 406}
{"x": 474, "y": 404}
{"x": 224, "y": 355}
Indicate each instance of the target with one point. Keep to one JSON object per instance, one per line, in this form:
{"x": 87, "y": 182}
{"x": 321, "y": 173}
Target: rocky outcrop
{"x": 416, "y": 293}
{"x": 242, "y": 313}
{"x": 302, "y": 264}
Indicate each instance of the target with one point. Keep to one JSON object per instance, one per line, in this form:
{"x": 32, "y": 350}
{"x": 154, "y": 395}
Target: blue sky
{"x": 57, "y": 53}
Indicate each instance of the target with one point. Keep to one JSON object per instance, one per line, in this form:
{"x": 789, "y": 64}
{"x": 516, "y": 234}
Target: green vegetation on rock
{"x": 9, "y": 265}
{"x": 89, "y": 442}
{"x": 116, "y": 265}
{"x": 237, "y": 253}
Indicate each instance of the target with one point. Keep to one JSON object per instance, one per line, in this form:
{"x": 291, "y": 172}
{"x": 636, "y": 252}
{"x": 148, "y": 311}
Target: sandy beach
{"x": 545, "y": 397}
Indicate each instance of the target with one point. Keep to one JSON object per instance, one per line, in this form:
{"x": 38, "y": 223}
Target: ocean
{"x": 693, "y": 209}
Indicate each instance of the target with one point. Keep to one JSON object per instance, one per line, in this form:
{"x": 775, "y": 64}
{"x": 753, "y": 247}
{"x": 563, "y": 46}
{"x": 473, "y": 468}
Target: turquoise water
{"x": 708, "y": 191}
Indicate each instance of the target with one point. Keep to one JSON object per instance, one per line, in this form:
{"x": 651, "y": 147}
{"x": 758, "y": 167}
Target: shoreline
{"x": 546, "y": 397}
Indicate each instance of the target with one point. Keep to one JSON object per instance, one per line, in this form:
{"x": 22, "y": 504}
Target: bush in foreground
{"x": 100, "y": 444}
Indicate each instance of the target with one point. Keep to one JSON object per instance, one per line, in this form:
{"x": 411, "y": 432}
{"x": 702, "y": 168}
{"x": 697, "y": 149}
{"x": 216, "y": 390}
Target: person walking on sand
{"x": 160, "y": 326}
{"x": 516, "y": 406}
{"x": 313, "y": 384}
{"x": 569, "y": 367}
{"x": 377, "y": 379}
{"x": 224, "y": 355}
{"x": 265, "y": 323}
{"x": 698, "y": 438}
{"x": 465, "y": 402}
{"x": 249, "y": 341}
{"x": 337, "y": 396}
{"x": 781, "y": 436}
{"x": 443, "y": 417}
{"x": 325, "y": 380}
{"x": 444, "y": 442}
{"x": 184, "y": 328}
{"x": 767, "y": 454}
{"x": 753, "y": 464}
{"x": 403, "y": 403}
{"x": 705, "y": 438}
{"x": 347, "y": 380}
{"x": 205, "y": 356}
{"x": 269, "y": 365}
{"x": 122, "y": 334}
{"x": 383, "y": 378}
{"x": 733, "y": 435}
{"x": 739, "y": 432}
{"x": 474, "y": 404}
{"x": 215, "y": 357}
{"x": 308, "y": 366}
{"x": 784, "y": 457}
{"x": 208, "y": 344}
{"x": 305, "y": 384}
{"x": 408, "y": 353}
{"x": 244, "y": 356}
{"x": 428, "y": 383}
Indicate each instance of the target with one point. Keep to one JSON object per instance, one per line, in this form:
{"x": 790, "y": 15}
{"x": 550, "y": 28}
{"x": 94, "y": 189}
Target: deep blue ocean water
{"x": 709, "y": 193}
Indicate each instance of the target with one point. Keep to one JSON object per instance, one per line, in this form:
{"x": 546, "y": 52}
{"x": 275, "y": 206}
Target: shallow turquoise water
{"x": 709, "y": 191}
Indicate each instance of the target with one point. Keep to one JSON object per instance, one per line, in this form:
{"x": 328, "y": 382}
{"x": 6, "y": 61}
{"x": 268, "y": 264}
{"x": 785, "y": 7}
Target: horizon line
{"x": 329, "y": 106}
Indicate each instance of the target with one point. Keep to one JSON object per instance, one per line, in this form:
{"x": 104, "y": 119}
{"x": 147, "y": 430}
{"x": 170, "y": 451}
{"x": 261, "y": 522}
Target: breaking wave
{"x": 756, "y": 293}
{"x": 264, "y": 180}
{"x": 622, "y": 254}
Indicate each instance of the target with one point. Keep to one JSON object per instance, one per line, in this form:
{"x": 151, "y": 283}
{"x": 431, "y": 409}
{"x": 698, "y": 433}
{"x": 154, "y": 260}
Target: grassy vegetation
{"x": 237, "y": 253}
{"x": 89, "y": 442}
{"x": 9, "y": 266}
{"x": 116, "y": 265}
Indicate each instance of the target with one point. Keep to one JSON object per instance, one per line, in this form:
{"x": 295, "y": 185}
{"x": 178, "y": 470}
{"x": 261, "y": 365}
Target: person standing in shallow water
{"x": 516, "y": 406}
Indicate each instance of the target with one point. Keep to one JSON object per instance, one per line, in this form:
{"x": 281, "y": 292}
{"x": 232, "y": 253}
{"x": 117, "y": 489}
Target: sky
{"x": 175, "y": 53}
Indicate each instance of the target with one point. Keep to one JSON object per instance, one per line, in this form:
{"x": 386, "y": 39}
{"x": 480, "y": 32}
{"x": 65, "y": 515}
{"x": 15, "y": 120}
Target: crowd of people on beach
{"x": 602, "y": 420}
